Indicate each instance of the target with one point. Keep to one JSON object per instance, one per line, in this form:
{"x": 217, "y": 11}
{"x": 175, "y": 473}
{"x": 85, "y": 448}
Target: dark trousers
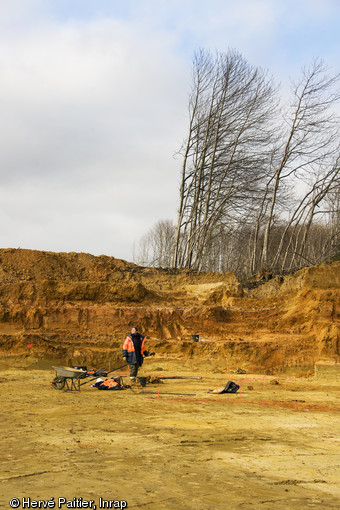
{"x": 133, "y": 369}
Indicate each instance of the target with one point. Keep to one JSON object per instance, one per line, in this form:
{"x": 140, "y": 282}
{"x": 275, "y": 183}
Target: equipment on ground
{"x": 68, "y": 376}
{"x": 142, "y": 381}
{"x": 71, "y": 376}
{"x": 104, "y": 374}
{"x": 230, "y": 387}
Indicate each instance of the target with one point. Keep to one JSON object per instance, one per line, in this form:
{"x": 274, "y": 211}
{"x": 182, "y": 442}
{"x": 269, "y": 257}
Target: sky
{"x": 94, "y": 101}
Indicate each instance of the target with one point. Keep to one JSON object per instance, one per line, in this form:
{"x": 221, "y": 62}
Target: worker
{"x": 134, "y": 352}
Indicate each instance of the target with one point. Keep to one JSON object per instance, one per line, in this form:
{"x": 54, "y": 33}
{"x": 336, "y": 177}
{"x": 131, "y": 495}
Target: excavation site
{"x": 235, "y": 406}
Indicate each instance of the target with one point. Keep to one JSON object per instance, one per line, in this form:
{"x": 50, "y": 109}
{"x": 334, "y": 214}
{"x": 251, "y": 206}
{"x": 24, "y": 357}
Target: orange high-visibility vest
{"x": 110, "y": 383}
{"x": 129, "y": 350}
{"x": 129, "y": 347}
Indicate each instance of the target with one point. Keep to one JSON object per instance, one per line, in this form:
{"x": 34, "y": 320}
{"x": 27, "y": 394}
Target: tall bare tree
{"x": 310, "y": 136}
{"x": 224, "y": 156}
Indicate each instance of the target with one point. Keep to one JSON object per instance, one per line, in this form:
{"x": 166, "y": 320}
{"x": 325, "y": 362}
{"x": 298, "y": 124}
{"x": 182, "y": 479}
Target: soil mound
{"x": 325, "y": 276}
{"x": 23, "y": 265}
{"x": 79, "y": 308}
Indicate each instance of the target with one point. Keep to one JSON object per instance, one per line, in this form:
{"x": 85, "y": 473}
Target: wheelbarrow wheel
{"x": 58, "y": 382}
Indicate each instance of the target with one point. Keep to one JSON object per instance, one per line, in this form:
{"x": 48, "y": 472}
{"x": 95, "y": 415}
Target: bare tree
{"x": 333, "y": 213}
{"x": 156, "y": 246}
{"x": 224, "y": 157}
{"x": 310, "y": 136}
{"x": 242, "y": 165}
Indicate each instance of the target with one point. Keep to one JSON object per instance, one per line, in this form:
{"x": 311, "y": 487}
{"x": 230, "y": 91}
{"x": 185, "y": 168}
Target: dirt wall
{"x": 79, "y": 308}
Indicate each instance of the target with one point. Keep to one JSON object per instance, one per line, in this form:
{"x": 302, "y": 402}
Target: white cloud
{"x": 92, "y": 114}
{"x": 93, "y": 105}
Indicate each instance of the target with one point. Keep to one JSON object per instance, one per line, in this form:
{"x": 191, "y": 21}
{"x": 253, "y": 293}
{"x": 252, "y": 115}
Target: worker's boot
{"x": 133, "y": 379}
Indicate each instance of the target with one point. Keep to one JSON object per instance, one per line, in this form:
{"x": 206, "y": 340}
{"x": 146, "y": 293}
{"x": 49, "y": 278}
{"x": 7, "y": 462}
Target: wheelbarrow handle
{"x": 118, "y": 368}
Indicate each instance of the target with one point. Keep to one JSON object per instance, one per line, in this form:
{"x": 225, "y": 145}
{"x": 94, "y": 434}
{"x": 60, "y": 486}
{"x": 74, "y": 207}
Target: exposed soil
{"x": 78, "y": 308}
{"x": 275, "y": 446}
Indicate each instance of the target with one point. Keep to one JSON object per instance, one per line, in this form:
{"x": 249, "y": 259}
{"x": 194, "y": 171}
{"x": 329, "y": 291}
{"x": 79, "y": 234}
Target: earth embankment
{"x": 78, "y": 308}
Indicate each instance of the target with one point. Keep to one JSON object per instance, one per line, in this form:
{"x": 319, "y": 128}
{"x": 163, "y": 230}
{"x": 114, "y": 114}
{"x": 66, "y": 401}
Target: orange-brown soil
{"x": 78, "y": 308}
{"x": 172, "y": 445}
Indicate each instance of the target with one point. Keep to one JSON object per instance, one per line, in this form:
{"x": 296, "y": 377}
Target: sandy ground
{"x": 270, "y": 447}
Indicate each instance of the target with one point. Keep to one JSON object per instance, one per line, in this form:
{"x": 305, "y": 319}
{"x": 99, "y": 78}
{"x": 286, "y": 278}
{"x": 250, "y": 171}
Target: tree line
{"x": 260, "y": 181}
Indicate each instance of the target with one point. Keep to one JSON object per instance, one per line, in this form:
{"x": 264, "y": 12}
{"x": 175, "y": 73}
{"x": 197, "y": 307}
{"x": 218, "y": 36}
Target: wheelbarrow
{"x": 71, "y": 377}
{"x": 68, "y": 376}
